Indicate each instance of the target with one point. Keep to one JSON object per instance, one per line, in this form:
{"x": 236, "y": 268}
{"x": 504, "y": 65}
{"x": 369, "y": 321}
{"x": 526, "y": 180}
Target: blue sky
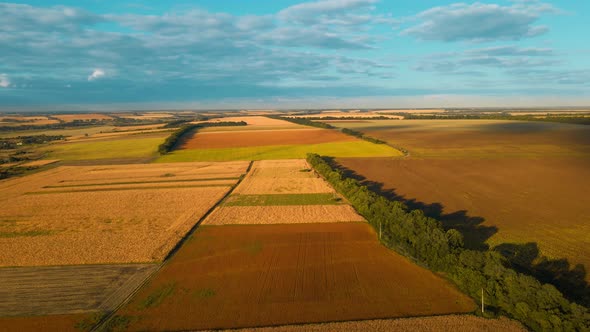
{"x": 99, "y": 54}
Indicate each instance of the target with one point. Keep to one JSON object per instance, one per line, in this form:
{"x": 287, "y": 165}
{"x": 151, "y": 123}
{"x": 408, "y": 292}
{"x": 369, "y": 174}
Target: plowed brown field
{"x": 62, "y": 323}
{"x": 540, "y": 201}
{"x": 245, "y": 276}
{"x": 499, "y": 181}
{"x": 237, "y": 139}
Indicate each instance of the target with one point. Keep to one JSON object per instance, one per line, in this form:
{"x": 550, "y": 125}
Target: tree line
{"x": 174, "y": 138}
{"x": 15, "y": 142}
{"x": 540, "y": 307}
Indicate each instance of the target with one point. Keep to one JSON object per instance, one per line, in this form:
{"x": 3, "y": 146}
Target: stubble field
{"x": 282, "y": 192}
{"x": 126, "y": 213}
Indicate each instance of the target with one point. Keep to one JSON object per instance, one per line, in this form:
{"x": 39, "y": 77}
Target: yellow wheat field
{"x": 282, "y": 177}
{"x": 293, "y": 214}
{"x": 72, "y": 215}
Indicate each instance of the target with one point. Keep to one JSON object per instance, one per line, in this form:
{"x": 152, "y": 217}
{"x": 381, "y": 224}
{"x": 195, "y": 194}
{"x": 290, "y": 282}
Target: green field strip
{"x": 283, "y": 199}
{"x": 121, "y": 189}
{"x": 336, "y": 149}
{"x": 139, "y": 182}
{"x": 106, "y": 149}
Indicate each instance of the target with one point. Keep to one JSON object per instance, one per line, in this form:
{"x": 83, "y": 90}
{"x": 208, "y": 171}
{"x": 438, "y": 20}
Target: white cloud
{"x": 96, "y": 74}
{"x": 4, "y": 82}
{"x": 480, "y": 22}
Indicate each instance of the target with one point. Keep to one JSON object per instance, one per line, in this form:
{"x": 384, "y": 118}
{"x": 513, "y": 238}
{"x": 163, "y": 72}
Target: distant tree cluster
{"x": 16, "y": 142}
{"x": 360, "y": 135}
{"x": 541, "y": 307}
{"x": 303, "y": 121}
{"x": 174, "y": 138}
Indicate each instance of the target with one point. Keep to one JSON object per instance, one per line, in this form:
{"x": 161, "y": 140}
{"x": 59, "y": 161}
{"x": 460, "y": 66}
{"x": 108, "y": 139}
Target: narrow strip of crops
{"x": 541, "y": 307}
{"x": 140, "y": 182}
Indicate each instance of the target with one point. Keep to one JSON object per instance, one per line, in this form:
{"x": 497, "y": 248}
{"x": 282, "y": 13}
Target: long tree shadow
{"x": 474, "y": 233}
{"x": 524, "y": 258}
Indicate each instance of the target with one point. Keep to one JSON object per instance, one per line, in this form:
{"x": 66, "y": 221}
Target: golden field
{"x": 123, "y": 213}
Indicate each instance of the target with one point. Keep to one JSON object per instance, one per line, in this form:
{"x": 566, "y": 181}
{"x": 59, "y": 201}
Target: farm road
{"x": 68, "y": 289}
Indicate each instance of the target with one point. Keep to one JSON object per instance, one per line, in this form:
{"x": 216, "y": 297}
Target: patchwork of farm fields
{"x": 282, "y": 192}
{"x": 253, "y": 275}
{"x": 265, "y": 138}
{"x": 285, "y": 253}
{"x": 233, "y": 229}
{"x": 526, "y": 182}
{"x": 107, "y": 214}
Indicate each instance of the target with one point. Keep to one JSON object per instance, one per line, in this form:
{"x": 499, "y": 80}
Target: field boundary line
{"x": 102, "y": 323}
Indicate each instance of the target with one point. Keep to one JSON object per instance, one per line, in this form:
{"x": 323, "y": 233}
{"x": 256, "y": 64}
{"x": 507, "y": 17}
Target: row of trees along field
{"x": 541, "y": 307}
{"x": 174, "y": 138}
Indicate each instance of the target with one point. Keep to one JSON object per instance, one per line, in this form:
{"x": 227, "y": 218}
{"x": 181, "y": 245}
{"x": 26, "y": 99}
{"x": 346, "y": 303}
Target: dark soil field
{"x": 248, "y": 276}
{"x": 62, "y": 323}
{"x": 496, "y": 201}
{"x": 213, "y": 140}
{"x": 521, "y": 185}
{"x": 483, "y": 139}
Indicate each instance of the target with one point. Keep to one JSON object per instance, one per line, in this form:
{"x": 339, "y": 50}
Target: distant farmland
{"x": 265, "y": 138}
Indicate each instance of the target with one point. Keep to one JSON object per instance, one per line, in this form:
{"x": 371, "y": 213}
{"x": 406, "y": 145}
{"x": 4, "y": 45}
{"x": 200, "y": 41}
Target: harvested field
{"x": 542, "y": 201}
{"x": 456, "y": 323}
{"x": 290, "y": 214}
{"x": 214, "y": 140}
{"x": 62, "y": 323}
{"x": 283, "y": 200}
{"x": 26, "y": 120}
{"x": 286, "y": 274}
{"x": 68, "y": 289}
{"x": 81, "y": 117}
{"x": 73, "y": 215}
{"x": 292, "y": 176}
